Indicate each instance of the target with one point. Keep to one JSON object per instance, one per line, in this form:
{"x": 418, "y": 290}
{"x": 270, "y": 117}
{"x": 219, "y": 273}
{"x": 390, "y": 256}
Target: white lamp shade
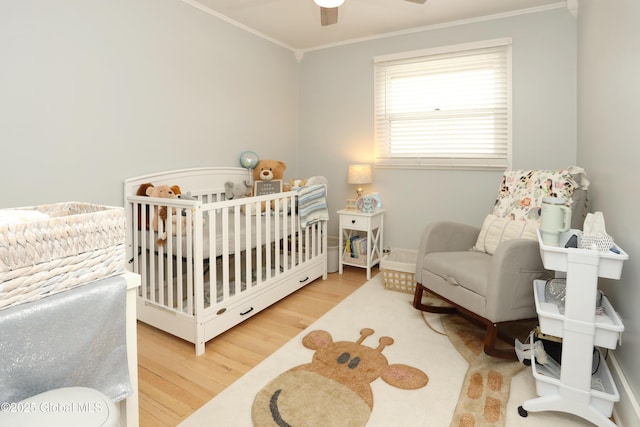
{"x": 328, "y": 3}
{"x": 359, "y": 174}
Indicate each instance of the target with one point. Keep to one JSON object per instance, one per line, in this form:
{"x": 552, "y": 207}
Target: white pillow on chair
{"x": 495, "y": 230}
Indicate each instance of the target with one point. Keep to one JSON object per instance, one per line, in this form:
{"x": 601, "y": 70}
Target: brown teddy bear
{"x": 165, "y": 192}
{"x": 142, "y": 190}
{"x": 267, "y": 170}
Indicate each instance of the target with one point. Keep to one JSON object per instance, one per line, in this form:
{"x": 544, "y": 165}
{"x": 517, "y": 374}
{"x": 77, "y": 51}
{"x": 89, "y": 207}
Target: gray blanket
{"x": 74, "y": 338}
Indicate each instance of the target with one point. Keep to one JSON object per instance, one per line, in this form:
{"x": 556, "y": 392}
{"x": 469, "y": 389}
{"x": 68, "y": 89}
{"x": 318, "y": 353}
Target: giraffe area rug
{"x": 374, "y": 360}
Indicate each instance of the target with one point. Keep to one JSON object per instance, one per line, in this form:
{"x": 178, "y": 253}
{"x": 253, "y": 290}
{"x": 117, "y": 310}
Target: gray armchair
{"x": 490, "y": 288}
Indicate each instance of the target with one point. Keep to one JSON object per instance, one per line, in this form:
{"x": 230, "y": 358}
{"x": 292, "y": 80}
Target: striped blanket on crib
{"x": 312, "y": 204}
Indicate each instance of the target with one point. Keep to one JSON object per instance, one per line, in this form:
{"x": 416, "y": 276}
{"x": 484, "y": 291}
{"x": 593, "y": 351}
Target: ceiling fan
{"x": 329, "y": 10}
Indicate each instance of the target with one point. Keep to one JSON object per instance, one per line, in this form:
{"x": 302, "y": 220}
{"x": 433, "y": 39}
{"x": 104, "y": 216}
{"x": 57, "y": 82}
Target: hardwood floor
{"x": 173, "y": 382}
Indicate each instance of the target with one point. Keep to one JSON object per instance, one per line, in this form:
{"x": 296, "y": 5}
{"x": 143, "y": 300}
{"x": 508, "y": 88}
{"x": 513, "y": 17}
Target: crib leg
{"x": 200, "y": 347}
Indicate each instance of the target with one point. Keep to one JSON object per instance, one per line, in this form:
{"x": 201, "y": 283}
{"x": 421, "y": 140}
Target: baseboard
{"x": 627, "y": 411}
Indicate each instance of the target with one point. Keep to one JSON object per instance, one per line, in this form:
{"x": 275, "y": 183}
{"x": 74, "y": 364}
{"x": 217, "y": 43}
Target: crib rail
{"x": 210, "y": 251}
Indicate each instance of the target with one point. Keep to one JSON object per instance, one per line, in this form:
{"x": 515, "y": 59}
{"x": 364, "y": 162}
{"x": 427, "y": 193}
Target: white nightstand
{"x": 372, "y": 226}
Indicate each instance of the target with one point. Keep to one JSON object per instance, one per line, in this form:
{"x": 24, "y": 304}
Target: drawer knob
{"x": 353, "y": 221}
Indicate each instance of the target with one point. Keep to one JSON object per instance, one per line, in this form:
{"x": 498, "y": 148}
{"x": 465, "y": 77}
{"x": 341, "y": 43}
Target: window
{"x": 445, "y": 108}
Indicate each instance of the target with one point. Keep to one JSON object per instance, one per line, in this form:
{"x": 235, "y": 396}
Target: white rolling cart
{"x": 578, "y": 389}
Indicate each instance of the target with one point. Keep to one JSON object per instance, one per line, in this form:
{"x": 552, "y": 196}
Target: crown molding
{"x": 443, "y": 25}
{"x": 571, "y": 5}
{"x": 235, "y": 23}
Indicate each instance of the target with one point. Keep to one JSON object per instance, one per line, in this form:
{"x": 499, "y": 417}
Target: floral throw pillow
{"x": 521, "y": 192}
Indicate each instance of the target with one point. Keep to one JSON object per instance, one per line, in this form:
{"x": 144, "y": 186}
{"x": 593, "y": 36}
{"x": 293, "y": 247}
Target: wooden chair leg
{"x": 417, "y": 296}
{"x": 490, "y": 340}
{"x": 417, "y": 303}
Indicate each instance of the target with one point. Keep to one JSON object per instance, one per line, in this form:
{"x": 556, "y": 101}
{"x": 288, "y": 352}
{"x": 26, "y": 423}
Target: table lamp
{"x": 359, "y": 174}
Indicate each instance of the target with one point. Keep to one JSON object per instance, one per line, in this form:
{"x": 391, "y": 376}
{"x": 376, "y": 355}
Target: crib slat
{"x": 267, "y": 240}
{"x": 152, "y": 269}
{"x": 259, "y": 241}
{"x": 294, "y": 236}
{"x": 195, "y": 287}
{"x": 171, "y": 217}
{"x": 225, "y": 254}
{"x": 215, "y": 281}
{"x": 237, "y": 264}
{"x": 162, "y": 281}
{"x": 174, "y": 264}
{"x": 248, "y": 226}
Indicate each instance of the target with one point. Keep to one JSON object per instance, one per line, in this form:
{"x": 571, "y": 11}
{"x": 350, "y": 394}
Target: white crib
{"x": 223, "y": 260}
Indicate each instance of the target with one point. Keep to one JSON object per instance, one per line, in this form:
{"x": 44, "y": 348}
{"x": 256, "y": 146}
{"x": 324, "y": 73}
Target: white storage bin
{"x": 608, "y": 328}
{"x": 547, "y": 384}
{"x": 333, "y": 254}
{"x": 398, "y": 270}
{"x": 557, "y": 257}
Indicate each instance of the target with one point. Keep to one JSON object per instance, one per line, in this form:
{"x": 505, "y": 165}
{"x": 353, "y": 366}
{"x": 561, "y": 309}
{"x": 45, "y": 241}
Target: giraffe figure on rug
{"x": 334, "y": 389}
{"x": 487, "y": 383}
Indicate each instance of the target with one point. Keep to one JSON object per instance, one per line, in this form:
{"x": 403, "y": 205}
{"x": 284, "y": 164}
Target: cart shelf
{"x": 608, "y": 326}
{"x": 558, "y": 257}
{"x": 601, "y": 397}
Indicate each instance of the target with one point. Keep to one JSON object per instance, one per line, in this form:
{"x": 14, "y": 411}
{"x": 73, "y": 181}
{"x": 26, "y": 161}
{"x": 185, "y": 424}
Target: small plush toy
{"x": 142, "y": 190}
{"x": 314, "y": 180}
{"x": 165, "y": 192}
{"x": 296, "y": 184}
{"x": 234, "y": 190}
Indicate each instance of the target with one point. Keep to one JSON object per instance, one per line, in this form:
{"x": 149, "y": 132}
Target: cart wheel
{"x": 523, "y": 412}
{"x": 526, "y": 362}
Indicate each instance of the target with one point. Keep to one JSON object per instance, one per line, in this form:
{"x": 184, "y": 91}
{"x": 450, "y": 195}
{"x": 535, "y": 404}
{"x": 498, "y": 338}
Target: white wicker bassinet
{"x": 69, "y": 245}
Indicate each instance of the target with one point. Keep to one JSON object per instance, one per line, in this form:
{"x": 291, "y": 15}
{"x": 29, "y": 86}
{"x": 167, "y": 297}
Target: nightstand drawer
{"x": 354, "y": 222}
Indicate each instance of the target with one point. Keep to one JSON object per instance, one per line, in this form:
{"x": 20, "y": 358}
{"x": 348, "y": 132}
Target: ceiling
{"x": 295, "y": 24}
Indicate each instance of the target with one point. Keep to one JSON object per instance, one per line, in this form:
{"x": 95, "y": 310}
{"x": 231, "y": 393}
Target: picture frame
{"x": 262, "y": 188}
{"x": 352, "y": 204}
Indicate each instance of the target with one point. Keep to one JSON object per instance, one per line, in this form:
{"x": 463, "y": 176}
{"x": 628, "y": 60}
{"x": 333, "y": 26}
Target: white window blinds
{"x": 445, "y": 108}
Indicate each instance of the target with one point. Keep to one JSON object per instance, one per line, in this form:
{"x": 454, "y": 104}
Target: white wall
{"x": 95, "y": 91}
{"x": 608, "y": 129}
{"x": 336, "y": 120}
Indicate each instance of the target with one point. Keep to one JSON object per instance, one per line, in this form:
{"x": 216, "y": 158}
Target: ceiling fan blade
{"x": 418, "y": 1}
{"x": 328, "y": 15}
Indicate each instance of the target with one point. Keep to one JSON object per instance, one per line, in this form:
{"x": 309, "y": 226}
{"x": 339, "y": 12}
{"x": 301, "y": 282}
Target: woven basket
{"x": 398, "y": 270}
{"x": 78, "y": 244}
{"x": 399, "y": 281}
{"x": 362, "y": 260}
